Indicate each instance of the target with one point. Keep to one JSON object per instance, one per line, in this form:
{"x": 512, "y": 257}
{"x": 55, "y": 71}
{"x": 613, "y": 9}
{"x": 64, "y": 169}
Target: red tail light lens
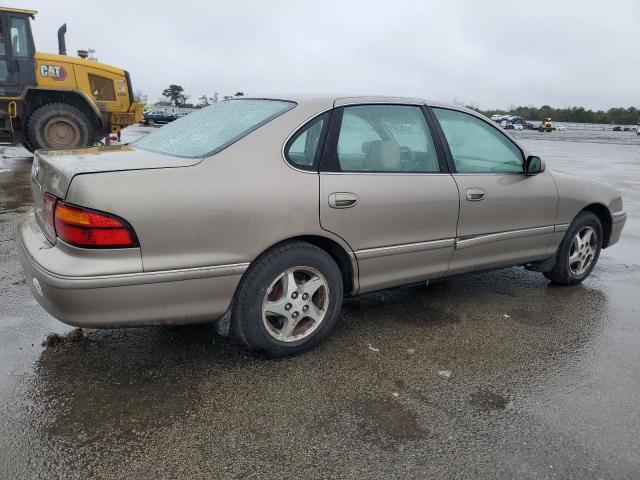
{"x": 49, "y": 204}
{"x": 86, "y": 228}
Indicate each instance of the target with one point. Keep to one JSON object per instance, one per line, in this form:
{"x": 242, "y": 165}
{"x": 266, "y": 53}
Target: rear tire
{"x": 288, "y": 300}
{"x": 579, "y": 250}
{"x": 59, "y": 126}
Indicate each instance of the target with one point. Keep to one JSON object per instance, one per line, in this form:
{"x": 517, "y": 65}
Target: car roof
{"x": 345, "y": 99}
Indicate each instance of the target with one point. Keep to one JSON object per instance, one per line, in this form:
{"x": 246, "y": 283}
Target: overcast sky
{"x": 491, "y": 53}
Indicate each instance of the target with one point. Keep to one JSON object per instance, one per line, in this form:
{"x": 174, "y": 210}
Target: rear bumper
{"x": 191, "y": 295}
{"x": 618, "y": 219}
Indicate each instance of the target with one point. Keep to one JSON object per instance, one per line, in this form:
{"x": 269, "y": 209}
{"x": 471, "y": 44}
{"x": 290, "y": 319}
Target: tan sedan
{"x": 267, "y": 211}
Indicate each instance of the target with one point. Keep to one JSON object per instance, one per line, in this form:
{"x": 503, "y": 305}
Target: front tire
{"x": 59, "y": 126}
{"x": 288, "y": 300}
{"x": 579, "y": 250}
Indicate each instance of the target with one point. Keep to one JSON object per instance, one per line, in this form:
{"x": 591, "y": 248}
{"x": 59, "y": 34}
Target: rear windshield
{"x": 213, "y": 128}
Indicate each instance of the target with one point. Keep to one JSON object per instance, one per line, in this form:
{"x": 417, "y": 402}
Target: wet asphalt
{"x": 545, "y": 381}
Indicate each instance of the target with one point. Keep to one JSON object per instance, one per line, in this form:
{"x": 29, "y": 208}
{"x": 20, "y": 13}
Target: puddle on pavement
{"x": 98, "y": 382}
{"x": 488, "y": 400}
{"x": 387, "y": 419}
{"x": 15, "y": 187}
{"x": 55, "y": 340}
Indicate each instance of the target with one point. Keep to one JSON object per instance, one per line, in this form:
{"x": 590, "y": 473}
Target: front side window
{"x": 302, "y": 150}
{"x": 476, "y": 146}
{"x": 213, "y": 128}
{"x": 385, "y": 138}
{"x": 19, "y": 43}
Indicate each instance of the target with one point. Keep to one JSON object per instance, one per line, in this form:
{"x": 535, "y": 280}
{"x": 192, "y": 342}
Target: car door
{"x": 17, "y": 64}
{"x": 385, "y": 190}
{"x": 506, "y": 216}
{"x": 22, "y": 51}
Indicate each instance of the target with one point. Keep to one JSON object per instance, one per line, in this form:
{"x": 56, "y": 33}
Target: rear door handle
{"x": 476, "y": 194}
{"x": 343, "y": 200}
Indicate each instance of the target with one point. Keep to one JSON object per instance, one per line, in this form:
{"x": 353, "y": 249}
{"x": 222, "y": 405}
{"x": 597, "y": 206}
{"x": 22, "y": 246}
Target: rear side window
{"x": 385, "y": 138}
{"x": 302, "y": 149}
{"x": 213, "y": 128}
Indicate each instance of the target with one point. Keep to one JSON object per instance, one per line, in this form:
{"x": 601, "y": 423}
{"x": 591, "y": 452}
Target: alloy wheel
{"x": 295, "y": 304}
{"x": 583, "y": 250}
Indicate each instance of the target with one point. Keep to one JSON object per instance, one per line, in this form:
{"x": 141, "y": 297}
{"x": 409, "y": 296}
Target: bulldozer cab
{"x": 54, "y": 101}
{"x": 17, "y": 62}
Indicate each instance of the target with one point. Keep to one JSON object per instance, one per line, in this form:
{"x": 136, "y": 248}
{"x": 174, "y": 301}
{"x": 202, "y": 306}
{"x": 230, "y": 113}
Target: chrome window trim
{"x": 405, "y": 174}
{"x": 491, "y": 173}
{"x": 508, "y": 235}
{"x": 379, "y": 102}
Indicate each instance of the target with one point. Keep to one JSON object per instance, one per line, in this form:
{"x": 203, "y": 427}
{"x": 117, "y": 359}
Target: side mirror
{"x": 534, "y": 165}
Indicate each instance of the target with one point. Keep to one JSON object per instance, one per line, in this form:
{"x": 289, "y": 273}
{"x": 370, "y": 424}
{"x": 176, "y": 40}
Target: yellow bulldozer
{"x": 57, "y": 102}
{"x": 546, "y": 125}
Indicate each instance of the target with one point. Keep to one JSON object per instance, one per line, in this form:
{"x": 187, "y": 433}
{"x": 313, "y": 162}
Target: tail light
{"x": 49, "y": 203}
{"x": 87, "y": 228}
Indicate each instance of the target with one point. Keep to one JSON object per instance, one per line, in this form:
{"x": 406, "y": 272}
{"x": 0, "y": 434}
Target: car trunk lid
{"x": 53, "y": 171}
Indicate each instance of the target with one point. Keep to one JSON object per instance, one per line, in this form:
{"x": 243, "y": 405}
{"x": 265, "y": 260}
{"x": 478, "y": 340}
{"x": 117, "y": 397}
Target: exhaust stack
{"x": 62, "y": 46}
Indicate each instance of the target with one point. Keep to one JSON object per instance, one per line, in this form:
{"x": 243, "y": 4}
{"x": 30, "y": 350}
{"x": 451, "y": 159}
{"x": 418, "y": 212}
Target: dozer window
{"x": 4, "y": 71}
{"x": 102, "y": 88}
{"x": 19, "y": 42}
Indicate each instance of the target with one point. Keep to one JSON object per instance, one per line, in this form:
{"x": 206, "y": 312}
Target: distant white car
{"x": 561, "y": 128}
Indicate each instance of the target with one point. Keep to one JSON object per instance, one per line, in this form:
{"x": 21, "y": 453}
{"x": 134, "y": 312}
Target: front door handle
{"x": 476, "y": 194}
{"x": 343, "y": 200}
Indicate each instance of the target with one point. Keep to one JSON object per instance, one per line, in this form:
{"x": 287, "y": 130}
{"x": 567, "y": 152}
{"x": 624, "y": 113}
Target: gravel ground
{"x": 544, "y": 380}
